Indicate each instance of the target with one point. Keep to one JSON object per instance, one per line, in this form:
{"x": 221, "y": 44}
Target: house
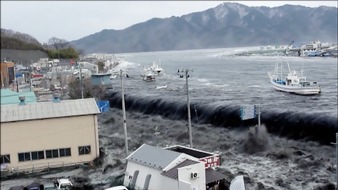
{"x": 7, "y": 74}
{"x": 48, "y": 134}
{"x": 151, "y": 167}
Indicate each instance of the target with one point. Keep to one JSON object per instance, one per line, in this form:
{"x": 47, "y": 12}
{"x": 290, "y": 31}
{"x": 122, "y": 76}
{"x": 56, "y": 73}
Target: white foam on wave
{"x": 125, "y": 65}
{"x": 203, "y": 80}
{"x": 254, "y": 86}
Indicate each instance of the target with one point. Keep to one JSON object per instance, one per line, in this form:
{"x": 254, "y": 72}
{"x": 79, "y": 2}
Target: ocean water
{"x": 293, "y": 148}
{"x": 220, "y": 83}
{"x": 291, "y": 151}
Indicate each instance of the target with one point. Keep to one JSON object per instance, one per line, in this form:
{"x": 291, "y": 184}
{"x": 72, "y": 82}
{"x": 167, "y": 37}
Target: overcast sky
{"x": 72, "y": 20}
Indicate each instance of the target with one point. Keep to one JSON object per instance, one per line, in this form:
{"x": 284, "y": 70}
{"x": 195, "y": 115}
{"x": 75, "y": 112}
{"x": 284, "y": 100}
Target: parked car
{"x": 19, "y": 187}
{"x": 117, "y": 188}
{"x": 59, "y": 184}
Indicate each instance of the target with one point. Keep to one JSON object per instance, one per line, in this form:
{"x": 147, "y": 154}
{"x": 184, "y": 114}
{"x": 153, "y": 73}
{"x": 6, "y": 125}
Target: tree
{"x": 58, "y": 43}
{"x": 89, "y": 90}
{"x": 100, "y": 65}
{"x": 66, "y": 53}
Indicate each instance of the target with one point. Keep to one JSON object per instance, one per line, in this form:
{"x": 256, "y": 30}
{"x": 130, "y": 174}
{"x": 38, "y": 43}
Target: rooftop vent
{"x": 22, "y": 100}
{"x": 56, "y": 97}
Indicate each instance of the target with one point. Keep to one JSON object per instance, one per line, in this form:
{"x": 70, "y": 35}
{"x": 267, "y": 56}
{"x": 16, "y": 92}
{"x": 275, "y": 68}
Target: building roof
{"x": 44, "y": 110}
{"x": 190, "y": 151}
{"x": 154, "y": 157}
{"x": 212, "y": 175}
{"x": 173, "y": 172}
{"x": 10, "y": 97}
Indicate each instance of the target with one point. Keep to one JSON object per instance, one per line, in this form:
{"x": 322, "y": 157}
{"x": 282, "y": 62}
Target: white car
{"x": 63, "y": 184}
{"x": 117, "y": 188}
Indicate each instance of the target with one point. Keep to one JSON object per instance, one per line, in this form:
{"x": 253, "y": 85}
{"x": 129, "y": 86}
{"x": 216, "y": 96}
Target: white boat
{"x": 156, "y": 67}
{"x": 148, "y": 76}
{"x": 293, "y": 81}
{"x": 161, "y": 87}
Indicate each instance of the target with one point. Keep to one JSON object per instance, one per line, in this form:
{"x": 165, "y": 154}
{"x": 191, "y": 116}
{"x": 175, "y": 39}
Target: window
{"x": 38, "y": 155}
{"x": 64, "y": 152}
{"x": 5, "y": 159}
{"x": 84, "y": 150}
{"x": 24, "y": 156}
{"x": 55, "y": 153}
{"x": 52, "y": 153}
{"x": 49, "y": 154}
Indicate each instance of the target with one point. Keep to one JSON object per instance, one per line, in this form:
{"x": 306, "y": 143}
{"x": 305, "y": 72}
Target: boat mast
{"x": 124, "y": 115}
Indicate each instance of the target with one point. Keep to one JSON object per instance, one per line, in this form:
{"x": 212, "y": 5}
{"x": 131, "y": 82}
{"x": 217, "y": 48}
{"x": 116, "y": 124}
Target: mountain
{"x": 227, "y": 25}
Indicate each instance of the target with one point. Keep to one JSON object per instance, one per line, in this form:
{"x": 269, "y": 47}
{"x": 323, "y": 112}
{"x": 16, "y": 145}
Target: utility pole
{"x": 81, "y": 85}
{"x": 30, "y": 76}
{"x": 336, "y": 144}
{"x": 259, "y": 119}
{"x": 188, "y": 105}
{"x": 124, "y": 114}
{"x": 336, "y": 160}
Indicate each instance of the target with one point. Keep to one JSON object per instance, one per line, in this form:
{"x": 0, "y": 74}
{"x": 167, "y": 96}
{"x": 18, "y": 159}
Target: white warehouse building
{"x": 48, "y": 134}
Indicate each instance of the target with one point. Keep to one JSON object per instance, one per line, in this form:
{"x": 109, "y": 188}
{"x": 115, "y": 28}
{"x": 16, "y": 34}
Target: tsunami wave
{"x": 294, "y": 125}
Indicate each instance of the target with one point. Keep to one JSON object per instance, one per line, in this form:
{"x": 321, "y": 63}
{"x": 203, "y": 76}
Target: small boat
{"x": 161, "y": 87}
{"x": 293, "y": 82}
{"x": 156, "y": 67}
{"x": 148, "y": 76}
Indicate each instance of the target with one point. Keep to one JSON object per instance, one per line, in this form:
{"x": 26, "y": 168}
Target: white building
{"x": 152, "y": 168}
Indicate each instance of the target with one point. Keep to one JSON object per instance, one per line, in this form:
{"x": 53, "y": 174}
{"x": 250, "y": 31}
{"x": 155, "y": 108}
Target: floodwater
{"x": 292, "y": 149}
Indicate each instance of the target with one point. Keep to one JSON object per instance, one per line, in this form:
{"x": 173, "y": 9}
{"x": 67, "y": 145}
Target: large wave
{"x": 294, "y": 125}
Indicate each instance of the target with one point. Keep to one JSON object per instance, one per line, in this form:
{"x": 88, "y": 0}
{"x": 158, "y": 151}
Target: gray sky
{"x": 72, "y": 20}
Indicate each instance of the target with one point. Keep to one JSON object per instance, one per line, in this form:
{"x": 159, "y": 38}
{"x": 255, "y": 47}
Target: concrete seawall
{"x": 22, "y": 56}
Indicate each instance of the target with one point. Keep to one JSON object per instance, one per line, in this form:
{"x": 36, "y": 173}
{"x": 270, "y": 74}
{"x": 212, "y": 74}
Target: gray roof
{"x": 173, "y": 172}
{"x": 154, "y": 157}
{"x": 212, "y": 175}
{"x": 44, "y": 110}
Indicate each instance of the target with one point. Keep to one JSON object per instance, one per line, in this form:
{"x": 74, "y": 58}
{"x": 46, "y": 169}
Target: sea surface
{"x": 292, "y": 150}
{"x": 220, "y": 84}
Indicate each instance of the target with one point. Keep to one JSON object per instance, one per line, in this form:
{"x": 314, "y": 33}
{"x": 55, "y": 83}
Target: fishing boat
{"x": 156, "y": 67}
{"x": 293, "y": 81}
{"x": 148, "y": 76}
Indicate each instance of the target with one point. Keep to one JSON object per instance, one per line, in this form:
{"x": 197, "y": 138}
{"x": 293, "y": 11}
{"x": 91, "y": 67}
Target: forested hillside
{"x": 15, "y": 41}
{"x": 19, "y": 41}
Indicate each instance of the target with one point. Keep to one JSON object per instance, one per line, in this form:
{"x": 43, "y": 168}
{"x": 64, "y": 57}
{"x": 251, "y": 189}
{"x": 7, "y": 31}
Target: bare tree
{"x": 58, "y": 43}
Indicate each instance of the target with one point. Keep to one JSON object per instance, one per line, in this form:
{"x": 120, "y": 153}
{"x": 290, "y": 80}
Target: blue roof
{"x": 10, "y": 97}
